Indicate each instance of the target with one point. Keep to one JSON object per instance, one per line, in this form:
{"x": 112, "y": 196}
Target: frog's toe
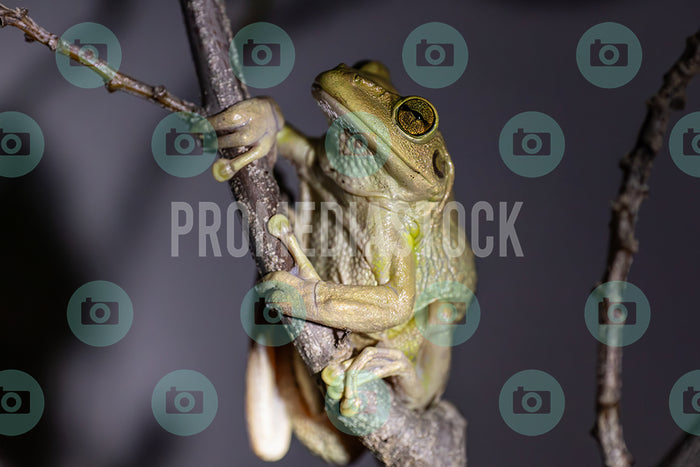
{"x": 334, "y": 392}
{"x": 351, "y": 406}
{"x": 333, "y": 375}
{"x": 224, "y": 169}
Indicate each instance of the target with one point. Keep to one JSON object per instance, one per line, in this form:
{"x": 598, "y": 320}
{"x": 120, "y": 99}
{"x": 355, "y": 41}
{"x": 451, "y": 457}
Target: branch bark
{"x": 115, "y": 81}
{"x": 434, "y": 437}
{"x": 636, "y": 168}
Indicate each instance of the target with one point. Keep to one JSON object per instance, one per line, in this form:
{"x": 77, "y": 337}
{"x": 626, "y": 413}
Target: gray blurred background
{"x": 98, "y": 207}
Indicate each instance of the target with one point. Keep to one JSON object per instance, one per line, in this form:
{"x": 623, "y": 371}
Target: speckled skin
{"x": 387, "y": 239}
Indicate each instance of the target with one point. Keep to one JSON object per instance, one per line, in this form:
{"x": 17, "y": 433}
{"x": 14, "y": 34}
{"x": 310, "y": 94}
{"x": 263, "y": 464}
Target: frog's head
{"x": 418, "y": 166}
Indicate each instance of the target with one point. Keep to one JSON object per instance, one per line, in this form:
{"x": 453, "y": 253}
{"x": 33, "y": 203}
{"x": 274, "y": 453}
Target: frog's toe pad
{"x": 350, "y": 406}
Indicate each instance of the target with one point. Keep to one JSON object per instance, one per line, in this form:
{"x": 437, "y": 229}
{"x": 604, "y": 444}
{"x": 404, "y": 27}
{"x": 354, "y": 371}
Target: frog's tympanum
{"x": 390, "y": 237}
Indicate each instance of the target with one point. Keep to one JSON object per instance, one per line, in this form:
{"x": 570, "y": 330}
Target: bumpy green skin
{"x": 388, "y": 238}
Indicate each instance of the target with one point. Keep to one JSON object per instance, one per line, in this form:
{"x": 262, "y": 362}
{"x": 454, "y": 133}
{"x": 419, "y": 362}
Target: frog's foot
{"x": 251, "y": 123}
{"x": 344, "y": 378}
{"x": 278, "y": 225}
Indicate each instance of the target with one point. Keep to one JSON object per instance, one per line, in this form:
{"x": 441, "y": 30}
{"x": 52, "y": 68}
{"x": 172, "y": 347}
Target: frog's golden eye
{"x": 416, "y": 116}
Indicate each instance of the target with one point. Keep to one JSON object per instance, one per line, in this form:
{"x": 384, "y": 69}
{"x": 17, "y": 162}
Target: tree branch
{"x": 408, "y": 438}
{"x": 636, "y": 168}
{"x": 115, "y": 81}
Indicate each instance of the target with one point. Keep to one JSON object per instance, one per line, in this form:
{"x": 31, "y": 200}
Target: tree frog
{"x": 389, "y": 234}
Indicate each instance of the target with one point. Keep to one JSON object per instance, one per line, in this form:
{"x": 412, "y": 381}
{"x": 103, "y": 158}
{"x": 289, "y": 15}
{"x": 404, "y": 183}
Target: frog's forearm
{"x": 295, "y": 146}
{"x": 363, "y": 308}
{"x": 360, "y": 308}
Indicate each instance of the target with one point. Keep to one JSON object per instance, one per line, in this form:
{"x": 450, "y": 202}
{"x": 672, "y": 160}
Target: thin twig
{"x": 115, "y": 81}
{"x": 636, "y": 168}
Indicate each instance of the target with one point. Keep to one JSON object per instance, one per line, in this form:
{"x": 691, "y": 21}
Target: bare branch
{"x": 115, "y": 81}
{"x": 636, "y": 168}
{"x": 685, "y": 453}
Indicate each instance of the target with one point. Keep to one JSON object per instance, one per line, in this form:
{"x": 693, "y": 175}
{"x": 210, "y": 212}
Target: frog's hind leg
{"x": 344, "y": 378}
{"x": 305, "y": 406}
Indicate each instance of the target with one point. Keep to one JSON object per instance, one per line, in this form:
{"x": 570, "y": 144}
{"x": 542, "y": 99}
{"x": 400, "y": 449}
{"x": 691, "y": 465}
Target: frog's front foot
{"x": 252, "y": 123}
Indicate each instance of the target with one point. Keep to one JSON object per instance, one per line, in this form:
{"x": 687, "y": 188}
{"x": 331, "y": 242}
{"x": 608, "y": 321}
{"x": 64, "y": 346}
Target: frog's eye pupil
{"x": 416, "y": 116}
